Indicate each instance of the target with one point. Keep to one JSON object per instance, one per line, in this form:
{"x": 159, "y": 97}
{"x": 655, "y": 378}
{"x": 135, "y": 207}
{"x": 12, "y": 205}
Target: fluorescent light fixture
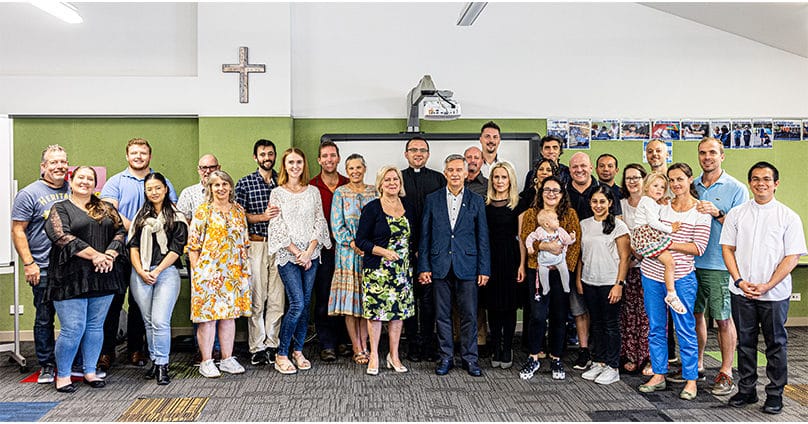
{"x": 62, "y": 10}
{"x": 470, "y": 12}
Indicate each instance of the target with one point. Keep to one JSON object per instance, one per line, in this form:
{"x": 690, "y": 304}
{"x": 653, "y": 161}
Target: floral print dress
{"x": 220, "y": 286}
{"x": 388, "y": 291}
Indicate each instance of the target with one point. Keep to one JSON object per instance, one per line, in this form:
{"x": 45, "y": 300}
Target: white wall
{"x": 535, "y": 60}
{"x": 346, "y": 60}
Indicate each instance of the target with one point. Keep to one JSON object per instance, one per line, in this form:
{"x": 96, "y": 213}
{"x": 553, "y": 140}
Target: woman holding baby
{"x": 552, "y": 298}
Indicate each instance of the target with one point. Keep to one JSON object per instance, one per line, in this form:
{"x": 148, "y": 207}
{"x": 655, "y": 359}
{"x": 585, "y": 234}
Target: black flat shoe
{"x": 95, "y": 384}
{"x": 67, "y": 388}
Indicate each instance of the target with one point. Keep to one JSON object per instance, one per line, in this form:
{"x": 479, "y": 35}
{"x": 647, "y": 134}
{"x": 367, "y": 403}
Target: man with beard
{"x": 656, "y": 153}
{"x": 606, "y": 168}
{"x": 489, "y": 142}
{"x": 476, "y": 181}
{"x": 125, "y": 191}
{"x": 31, "y": 208}
{"x": 330, "y": 330}
{"x": 252, "y": 193}
{"x": 551, "y": 147}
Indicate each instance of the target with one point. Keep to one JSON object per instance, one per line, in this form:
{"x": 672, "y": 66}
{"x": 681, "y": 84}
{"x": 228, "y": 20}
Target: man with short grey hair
{"x": 453, "y": 256}
{"x": 193, "y": 196}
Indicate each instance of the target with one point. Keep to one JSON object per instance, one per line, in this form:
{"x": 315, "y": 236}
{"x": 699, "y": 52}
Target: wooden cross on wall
{"x": 244, "y": 69}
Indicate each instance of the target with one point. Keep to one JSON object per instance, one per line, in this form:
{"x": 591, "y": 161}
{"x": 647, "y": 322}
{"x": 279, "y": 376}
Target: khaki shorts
{"x": 713, "y": 296}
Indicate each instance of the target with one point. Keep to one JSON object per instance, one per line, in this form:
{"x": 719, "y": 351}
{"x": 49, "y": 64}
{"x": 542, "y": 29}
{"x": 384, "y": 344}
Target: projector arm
{"x": 424, "y": 88}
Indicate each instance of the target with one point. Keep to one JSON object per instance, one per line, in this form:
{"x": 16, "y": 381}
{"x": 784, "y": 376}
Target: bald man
{"x": 475, "y": 181}
{"x": 193, "y": 196}
{"x": 656, "y": 153}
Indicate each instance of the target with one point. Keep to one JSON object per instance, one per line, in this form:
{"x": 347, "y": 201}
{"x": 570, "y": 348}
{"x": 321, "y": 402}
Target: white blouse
{"x": 300, "y": 221}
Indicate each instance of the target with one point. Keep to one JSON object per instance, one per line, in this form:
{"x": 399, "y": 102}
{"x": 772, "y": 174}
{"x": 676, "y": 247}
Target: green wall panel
{"x": 231, "y": 139}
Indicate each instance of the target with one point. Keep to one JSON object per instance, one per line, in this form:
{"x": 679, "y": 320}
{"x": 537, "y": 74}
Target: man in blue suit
{"x": 453, "y": 255}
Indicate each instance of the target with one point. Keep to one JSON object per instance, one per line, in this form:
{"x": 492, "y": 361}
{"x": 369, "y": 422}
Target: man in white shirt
{"x": 489, "y": 144}
{"x": 193, "y": 196}
{"x": 762, "y": 241}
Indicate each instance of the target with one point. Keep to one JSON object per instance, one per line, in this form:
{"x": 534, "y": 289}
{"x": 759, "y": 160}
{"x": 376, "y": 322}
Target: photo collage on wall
{"x": 745, "y": 133}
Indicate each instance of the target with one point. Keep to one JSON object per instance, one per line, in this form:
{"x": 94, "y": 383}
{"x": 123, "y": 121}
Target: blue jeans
{"x": 156, "y": 304}
{"x": 684, "y": 324}
{"x": 82, "y": 323}
{"x": 298, "y": 284}
{"x": 43, "y": 322}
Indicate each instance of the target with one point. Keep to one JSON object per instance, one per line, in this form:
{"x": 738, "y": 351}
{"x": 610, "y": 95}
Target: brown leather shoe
{"x": 104, "y": 363}
{"x": 138, "y": 359}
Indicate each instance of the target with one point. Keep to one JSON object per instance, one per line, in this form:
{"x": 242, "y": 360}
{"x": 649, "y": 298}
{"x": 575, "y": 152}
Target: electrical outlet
{"x": 11, "y": 309}
{"x": 796, "y": 297}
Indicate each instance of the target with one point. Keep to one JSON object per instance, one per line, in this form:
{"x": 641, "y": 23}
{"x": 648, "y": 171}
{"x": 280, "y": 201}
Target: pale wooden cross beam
{"x": 244, "y": 69}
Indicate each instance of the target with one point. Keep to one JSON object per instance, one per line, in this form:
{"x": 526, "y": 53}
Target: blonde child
{"x": 549, "y": 230}
{"x": 650, "y": 237}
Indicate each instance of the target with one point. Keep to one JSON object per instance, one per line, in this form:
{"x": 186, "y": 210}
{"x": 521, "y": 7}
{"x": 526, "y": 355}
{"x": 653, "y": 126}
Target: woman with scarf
{"x": 156, "y": 241}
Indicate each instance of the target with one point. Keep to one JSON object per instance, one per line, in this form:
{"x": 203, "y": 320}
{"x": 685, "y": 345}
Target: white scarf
{"x": 154, "y": 226}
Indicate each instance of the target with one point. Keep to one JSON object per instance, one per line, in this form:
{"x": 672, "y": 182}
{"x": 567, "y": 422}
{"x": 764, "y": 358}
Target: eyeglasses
{"x": 552, "y": 190}
{"x": 208, "y": 168}
{"x": 633, "y": 178}
{"x": 415, "y": 150}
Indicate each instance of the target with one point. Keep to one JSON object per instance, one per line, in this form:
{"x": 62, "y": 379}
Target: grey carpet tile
{"x": 341, "y": 391}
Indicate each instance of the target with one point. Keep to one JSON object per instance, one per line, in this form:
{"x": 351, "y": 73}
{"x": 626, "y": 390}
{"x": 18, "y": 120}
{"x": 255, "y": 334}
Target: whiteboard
{"x": 6, "y": 189}
{"x": 388, "y": 149}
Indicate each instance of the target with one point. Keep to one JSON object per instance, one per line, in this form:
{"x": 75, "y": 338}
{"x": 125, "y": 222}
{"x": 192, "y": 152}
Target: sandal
{"x": 648, "y": 370}
{"x": 361, "y": 358}
{"x": 630, "y": 366}
{"x": 676, "y": 305}
{"x": 301, "y": 361}
{"x": 285, "y": 366}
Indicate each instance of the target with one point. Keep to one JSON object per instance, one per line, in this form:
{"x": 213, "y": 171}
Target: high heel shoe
{"x": 390, "y": 364}
{"x": 372, "y": 371}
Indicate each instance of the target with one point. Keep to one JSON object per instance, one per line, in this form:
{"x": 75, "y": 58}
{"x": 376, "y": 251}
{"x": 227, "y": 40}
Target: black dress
{"x": 501, "y": 293}
{"x": 71, "y": 230}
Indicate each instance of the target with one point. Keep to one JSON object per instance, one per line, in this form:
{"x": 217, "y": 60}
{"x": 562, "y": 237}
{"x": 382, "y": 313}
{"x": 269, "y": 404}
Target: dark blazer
{"x": 373, "y": 230}
{"x": 464, "y": 249}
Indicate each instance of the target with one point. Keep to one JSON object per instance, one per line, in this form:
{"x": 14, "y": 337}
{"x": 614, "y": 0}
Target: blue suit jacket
{"x": 464, "y": 249}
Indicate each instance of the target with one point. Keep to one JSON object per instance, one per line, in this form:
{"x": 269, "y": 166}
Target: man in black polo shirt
{"x": 580, "y": 188}
{"x": 606, "y": 168}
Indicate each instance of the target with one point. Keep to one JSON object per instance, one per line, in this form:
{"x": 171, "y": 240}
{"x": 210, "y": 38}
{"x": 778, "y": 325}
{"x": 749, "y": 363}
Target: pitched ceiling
{"x": 780, "y": 25}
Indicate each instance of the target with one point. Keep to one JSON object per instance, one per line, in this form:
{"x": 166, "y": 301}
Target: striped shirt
{"x": 695, "y": 228}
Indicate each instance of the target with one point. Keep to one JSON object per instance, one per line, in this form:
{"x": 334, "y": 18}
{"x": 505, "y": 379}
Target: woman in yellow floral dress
{"x": 220, "y": 288}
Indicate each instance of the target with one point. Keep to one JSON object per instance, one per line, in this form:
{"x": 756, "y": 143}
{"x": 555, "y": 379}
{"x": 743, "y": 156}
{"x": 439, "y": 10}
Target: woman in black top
{"x": 87, "y": 268}
{"x": 156, "y": 239}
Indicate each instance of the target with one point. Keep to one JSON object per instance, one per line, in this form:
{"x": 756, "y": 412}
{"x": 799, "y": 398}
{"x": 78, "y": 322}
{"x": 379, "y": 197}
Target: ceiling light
{"x": 62, "y": 10}
{"x": 470, "y": 13}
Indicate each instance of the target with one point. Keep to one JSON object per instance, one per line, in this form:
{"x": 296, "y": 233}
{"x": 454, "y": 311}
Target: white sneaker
{"x": 608, "y": 376}
{"x": 208, "y": 369}
{"x": 594, "y": 371}
{"x": 231, "y": 366}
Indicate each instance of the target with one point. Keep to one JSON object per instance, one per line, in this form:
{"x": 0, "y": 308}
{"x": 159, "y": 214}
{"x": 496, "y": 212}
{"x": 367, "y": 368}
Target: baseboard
{"x": 28, "y": 335}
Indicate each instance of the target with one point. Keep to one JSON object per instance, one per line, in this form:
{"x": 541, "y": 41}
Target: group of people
{"x": 445, "y": 258}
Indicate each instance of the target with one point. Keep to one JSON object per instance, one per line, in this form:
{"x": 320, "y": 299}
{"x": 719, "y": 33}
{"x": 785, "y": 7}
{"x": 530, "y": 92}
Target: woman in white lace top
{"x": 296, "y": 236}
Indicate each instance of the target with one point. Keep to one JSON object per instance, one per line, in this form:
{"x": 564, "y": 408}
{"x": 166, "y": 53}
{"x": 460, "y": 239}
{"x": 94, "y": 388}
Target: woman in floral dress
{"x": 220, "y": 289}
{"x": 384, "y": 237}
{"x": 346, "y": 287}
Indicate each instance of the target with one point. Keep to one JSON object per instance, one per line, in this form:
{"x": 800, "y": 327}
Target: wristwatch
{"x": 738, "y": 282}
{"x": 621, "y": 283}
{"x": 720, "y": 214}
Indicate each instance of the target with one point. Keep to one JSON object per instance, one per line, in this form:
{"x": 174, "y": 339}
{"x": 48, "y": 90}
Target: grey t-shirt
{"x": 32, "y": 205}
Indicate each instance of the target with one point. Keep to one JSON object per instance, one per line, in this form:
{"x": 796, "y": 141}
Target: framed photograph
{"x": 695, "y": 129}
{"x": 741, "y": 136}
{"x": 579, "y": 131}
{"x": 786, "y": 129}
{"x": 762, "y": 133}
{"x": 635, "y": 129}
{"x": 559, "y": 128}
{"x": 719, "y": 130}
{"x": 805, "y": 129}
{"x": 606, "y": 129}
{"x": 666, "y": 130}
